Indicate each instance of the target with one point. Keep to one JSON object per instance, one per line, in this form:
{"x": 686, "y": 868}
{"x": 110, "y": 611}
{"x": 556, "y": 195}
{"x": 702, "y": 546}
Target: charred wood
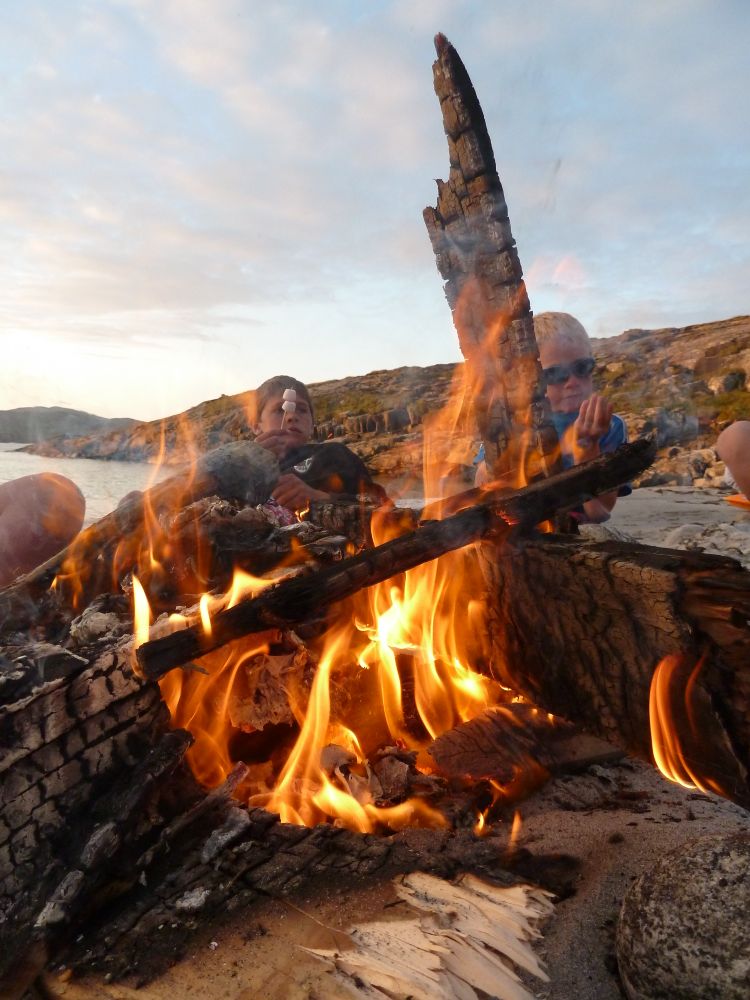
{"x": 476, "y": 255}
{"x": 503, "y": 742}
{"x": 223, "y": 869}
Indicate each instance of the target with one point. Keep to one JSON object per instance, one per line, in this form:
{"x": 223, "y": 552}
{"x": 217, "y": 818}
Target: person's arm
{"x": 733, "y": 446}
{"x": 292, "y": 492}
{"x": 334, "y": 471}
{"x": 594, "y": 419}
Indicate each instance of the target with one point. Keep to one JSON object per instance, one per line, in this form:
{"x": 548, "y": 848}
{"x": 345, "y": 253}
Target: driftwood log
{"x": 295, "y": 599}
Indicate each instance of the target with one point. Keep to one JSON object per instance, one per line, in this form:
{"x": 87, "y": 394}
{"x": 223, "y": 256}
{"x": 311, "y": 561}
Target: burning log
{"x": 241, "y": 470}
{"x": 503, "y": 742}
{"x": 294, "y": 599}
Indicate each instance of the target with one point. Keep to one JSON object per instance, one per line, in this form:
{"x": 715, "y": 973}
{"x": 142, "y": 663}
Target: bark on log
{"x": 476, "y": 255}
{"x": 241, "y": 470}
{"x": 295, "y": 599}
{"x": 579, "y": 629}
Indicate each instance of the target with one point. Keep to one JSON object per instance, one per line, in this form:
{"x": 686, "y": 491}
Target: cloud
{"x": 249, "y": 180}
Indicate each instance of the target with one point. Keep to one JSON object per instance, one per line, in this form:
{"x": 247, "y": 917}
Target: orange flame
{"x": 673, "y": 723}
{"x": 408, "y": 647}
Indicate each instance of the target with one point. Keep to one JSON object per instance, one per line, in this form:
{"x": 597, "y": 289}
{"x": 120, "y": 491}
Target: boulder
{"x": 673, "y": 426}
{"x": 683, "y": 931}
{"x": 728, "y": 382}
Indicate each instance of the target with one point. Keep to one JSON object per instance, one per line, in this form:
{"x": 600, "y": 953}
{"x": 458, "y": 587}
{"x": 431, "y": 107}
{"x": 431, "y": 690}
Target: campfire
{"x": 366, "y": 671}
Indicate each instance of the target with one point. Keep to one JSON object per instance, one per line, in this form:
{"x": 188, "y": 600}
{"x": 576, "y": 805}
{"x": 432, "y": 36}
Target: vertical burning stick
{"x": 289, "y": 404}
{"x": 476, "y": 255}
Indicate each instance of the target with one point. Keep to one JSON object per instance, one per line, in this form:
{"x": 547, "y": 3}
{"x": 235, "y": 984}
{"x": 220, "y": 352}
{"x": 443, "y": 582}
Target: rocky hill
{"x": 683, "y": 383}
{"x": 40, "y": 423}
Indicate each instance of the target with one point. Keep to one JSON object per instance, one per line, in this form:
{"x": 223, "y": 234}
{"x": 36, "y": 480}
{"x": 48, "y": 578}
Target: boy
{"x": 308, "y": 471}
{"x": 584, "y": 421}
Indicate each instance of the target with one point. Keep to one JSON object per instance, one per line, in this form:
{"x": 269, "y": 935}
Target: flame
{"x": 141, "y": 614}
{"x": 675, "y": 732}
{"x": 205, "y": 614}
{"x": 414, "y": 649}
{"x": 481, "y": 826}
{"x": 515, "y": 833}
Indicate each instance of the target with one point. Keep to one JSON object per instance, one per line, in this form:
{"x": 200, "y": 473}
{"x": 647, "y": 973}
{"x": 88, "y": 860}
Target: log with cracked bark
{"x": 579, "y": 628}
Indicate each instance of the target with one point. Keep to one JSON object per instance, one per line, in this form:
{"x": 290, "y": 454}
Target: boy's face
{"x": 298, "y": 423}
{"x": 567, "y": 396}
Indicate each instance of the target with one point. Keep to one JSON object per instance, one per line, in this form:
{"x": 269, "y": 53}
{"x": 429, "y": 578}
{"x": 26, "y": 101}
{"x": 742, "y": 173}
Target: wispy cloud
{"x": 229, "y": 189}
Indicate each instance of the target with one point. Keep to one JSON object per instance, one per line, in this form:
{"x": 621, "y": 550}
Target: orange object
{"x": 739, "y": 500}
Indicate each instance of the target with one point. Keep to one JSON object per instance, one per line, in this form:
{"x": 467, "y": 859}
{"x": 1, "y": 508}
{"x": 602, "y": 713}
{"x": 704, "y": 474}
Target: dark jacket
{"x": 332, "y": 467}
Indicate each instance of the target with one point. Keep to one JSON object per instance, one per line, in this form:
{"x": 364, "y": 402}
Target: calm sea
{"x": 102, "y": 483}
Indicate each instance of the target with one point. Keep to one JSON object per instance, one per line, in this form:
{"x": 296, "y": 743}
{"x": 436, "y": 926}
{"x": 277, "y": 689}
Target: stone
{"x": 683, "y": 931}
{"x": 728, "y": 382}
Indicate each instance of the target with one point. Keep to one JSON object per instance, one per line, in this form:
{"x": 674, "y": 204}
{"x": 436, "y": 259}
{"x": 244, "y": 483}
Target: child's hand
{"x": 278, "y": 442}
{"x": 593, "y": 421}
{"x": 294, "y": 493}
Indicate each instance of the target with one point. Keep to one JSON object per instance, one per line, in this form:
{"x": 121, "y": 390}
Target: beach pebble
{"x": 684, "y": 930}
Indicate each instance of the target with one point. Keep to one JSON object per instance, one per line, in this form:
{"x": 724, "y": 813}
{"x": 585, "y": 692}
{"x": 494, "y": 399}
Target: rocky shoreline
{"x": 681, "y": 384}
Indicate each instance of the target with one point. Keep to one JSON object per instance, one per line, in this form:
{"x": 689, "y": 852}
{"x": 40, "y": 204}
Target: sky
{"x": 198, "y": 194}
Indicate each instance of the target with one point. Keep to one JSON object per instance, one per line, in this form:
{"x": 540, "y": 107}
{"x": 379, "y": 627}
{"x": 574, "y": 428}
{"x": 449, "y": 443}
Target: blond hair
{"x": 560, "y": 327}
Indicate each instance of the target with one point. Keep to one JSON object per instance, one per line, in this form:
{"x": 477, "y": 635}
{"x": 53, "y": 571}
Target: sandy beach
{"x": 683, "y": 517}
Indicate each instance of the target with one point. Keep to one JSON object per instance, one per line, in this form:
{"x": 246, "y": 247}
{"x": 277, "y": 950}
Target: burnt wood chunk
{"x": 506, "y": 741}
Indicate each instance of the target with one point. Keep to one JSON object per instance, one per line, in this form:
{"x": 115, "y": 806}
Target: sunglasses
{"x": 559, "y": 374}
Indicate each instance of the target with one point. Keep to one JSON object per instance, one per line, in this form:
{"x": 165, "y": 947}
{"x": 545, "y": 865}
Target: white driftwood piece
{"x": 467, "y": 936}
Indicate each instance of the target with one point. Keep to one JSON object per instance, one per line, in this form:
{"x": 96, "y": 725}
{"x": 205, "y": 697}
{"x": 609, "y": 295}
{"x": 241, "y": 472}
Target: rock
{"x": 673, "y": 426}
{"x": 39, "y": 515}
{"x": 735, "y": 379}
{"x": 683, "y": 931}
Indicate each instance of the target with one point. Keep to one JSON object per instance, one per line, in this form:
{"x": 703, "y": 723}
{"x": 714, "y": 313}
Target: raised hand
{"x": 279, "y": 441}
{"x": 593, "y": 422}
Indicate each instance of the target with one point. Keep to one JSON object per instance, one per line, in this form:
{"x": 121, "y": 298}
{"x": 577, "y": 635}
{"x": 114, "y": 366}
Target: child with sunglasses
{"x": 583, "y": 419}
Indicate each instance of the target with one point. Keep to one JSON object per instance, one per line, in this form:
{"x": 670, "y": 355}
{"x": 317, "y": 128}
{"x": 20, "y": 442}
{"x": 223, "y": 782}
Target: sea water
{"x": 103, "y": 484}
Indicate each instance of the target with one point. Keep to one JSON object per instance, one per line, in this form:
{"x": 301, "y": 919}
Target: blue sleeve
{"x": 611, "y": 441}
